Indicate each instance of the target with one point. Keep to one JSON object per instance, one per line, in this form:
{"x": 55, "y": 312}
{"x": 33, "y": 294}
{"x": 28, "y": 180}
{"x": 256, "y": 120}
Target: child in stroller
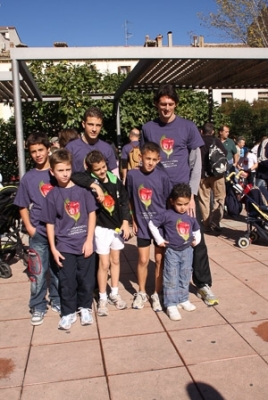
{"x": 10, "y": 240}
{"x": 256, "y": 205}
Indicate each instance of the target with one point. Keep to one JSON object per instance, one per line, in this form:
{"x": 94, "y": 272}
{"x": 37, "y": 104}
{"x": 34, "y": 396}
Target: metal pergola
{"x": 184, "y": 67}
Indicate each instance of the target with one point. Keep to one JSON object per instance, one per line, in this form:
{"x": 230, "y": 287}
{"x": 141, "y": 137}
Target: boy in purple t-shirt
{"x": 92, "y": 124}
{"x": 33, "y": 188}
{"x": 181, "y": 233}
{"x": 69, "y": 214}
{"x": 148, "y": 189}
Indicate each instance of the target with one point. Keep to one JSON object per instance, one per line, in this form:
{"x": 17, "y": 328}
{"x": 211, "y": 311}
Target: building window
{"x": 263, "y": 96}
{"x": 124, "y": 69}
{"x": 226, "y": 97}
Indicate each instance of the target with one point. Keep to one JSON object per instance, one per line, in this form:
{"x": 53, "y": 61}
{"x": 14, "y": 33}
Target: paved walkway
{"x": 213, "y": 353}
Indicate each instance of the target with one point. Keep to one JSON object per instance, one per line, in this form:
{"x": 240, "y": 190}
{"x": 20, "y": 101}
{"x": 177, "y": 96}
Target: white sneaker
{"x": 173, "y": 313}
{"x": 102, "y": 309}
{"x": 187, "y": 306}
{"x": 205, "y": 293}
{"x": 117, "y": 301}
{"x": 85, "y": 316}
{"x": 156, "y": 303}
{"x": 139, "y": 299}
{"x": 67, "y": 321}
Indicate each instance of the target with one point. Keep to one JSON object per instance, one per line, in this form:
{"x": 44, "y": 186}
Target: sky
{"x": 40, "y": 23}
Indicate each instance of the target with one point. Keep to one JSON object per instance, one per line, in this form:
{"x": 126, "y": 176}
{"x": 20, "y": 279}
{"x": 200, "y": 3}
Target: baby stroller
{"x": 256, "y": 205}
{"x": 10, "y": 240}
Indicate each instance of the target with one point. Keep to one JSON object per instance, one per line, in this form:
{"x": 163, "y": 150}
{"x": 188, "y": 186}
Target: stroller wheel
{"x": 243, "y": 242}
{"x": 5, "y": 270}
{"x": 254, "y": 236}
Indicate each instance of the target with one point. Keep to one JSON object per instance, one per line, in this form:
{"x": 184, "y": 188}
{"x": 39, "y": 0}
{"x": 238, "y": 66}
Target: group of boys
{"x": 68, "y": 224}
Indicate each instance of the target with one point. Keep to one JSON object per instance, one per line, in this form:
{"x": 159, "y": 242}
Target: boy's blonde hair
{"x": 60, "y": 156}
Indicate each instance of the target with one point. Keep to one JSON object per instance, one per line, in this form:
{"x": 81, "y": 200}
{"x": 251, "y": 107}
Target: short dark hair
{"x": 67, "y": 135}
{"x": 180, "y": 190}
{"x": 60, "y": 156}
{"x": 208, "y": 128}
{"x": 150, "y": 146}
{"x": 168, "y": 90}
{"x": 93, "y": 157}
{"x": 38, "y": 138}
{"x": 93, "y": 112}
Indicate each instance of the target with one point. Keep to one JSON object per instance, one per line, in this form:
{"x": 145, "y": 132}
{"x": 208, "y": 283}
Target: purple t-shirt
{"x": 80, "y": 150}
{"x": 67, "y": 209}
{"x": 175, "y": 139}
{"x": 149, "y": 193}
{"x": 177, "y": 227}
{"x": 32, "y": 191}
{"x": 127, "y": 148}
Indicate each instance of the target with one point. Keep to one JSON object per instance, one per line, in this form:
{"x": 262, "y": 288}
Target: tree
{"x": 245, "y": 21}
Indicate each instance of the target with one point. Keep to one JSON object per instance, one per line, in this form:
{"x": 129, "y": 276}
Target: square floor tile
{"x": 12, "y": 365}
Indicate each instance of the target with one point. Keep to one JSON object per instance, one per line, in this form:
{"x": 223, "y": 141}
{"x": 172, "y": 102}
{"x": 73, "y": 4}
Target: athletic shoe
{"x": 139, "y": 299}
{"x": 67, "y": 321}
{"x": 173, "y": 313}
{"x": 156, "y": 303}
{"x": 102, "y": 309}
{"x": 85, "y": 316}
{"x": 55, "y": 308}
{"x": 205, "y": 293}
{"x": 187, "y": 306}
{"x": 117, "y": 301}
{"x": 37, "y": 317}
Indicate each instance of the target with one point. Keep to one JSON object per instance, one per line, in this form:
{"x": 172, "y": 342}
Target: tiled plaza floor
{"x": 213, "y": 353}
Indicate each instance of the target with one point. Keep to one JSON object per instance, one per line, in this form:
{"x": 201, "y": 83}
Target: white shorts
{"x": 107, "y": 239}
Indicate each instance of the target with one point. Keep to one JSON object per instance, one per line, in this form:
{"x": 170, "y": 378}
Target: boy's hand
{"x": 125, "y": 229}
{"x": 191, "y": 209}
{"x": 163, "y": 244}
{"x": 99, "y": 192}
{"x": 193, "y": 243}
{"x": 57, "y": 257}
{"x": 87, "y": 248}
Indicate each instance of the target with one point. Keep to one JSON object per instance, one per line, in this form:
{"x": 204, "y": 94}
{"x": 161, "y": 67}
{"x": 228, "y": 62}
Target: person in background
{"x": 229, "y": 144}
{"x": 128, "y": 150}
{"x": 92, "y": 124}
{"x": 67, "y": 135}
{"x": 54, "y": 142}
{"x": 211, "y": 185}
{"x": 180, "y": 142}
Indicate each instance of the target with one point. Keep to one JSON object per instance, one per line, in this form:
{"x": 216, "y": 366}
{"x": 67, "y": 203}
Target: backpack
{"x": 217, "y": 161}
{"x": 134, "y": 157}
{"x": 261, "y": 151}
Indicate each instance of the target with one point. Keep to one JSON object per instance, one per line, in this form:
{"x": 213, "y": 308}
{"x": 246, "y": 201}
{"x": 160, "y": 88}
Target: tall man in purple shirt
{"x": 180, "y": 143}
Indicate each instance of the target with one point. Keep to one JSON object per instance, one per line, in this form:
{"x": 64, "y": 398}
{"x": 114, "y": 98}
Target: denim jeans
{"x": 177, "y": 275}
{"x": 43, "y": 274}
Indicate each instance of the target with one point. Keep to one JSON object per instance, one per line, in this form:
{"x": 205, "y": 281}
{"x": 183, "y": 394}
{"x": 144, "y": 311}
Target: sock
{"x": 114, "y": 291}
{"x": 103, "y": 296}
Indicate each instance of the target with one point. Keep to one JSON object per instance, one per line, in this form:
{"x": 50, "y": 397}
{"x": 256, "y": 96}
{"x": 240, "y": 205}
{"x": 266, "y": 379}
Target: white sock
{"x": 114, "y": 291}
{"x": 103, "y": 296}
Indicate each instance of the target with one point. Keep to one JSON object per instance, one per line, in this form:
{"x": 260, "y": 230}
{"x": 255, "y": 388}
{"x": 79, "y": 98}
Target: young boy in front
{"x": 69, "y": 214}
{"x": 111, "y": 229}
{"x": 148, "y": 188}
{"x": 181, "y": 233}
{"x": 33, "y": 188}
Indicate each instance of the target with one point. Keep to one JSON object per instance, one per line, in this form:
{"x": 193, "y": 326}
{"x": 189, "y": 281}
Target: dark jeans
{"x": 201, "y": 268}
{"x": 76, "y": 282}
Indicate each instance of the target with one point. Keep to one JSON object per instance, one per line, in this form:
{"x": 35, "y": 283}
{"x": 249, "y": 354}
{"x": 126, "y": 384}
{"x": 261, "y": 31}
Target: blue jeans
{"x": 177, "y": 275}
{"x": 43, "y": 274}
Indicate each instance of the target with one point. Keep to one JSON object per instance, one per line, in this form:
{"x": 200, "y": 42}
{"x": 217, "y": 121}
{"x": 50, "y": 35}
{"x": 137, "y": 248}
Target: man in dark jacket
{"x": 212, "y": 211}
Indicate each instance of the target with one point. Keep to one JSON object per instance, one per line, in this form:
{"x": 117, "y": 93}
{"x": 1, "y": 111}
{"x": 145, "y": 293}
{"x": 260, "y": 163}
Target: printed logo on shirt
{"x": 45, "y": 188}
{"x": 183, "y": 229}
{"x": 73, "y": 209}
{"x": 167, "y": 145}
{"x": 108, "y": 203}
{"x": 145, "y": 196}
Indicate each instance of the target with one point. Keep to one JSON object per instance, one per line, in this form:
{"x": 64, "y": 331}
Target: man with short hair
{"x": 180, "y": 143}
{"x": 92, "y": 124}
{"x": 229, "y": 144}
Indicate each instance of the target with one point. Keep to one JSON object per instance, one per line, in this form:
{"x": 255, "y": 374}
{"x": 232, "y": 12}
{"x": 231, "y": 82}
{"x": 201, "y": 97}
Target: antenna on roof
{"x": 127, "y": 33}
